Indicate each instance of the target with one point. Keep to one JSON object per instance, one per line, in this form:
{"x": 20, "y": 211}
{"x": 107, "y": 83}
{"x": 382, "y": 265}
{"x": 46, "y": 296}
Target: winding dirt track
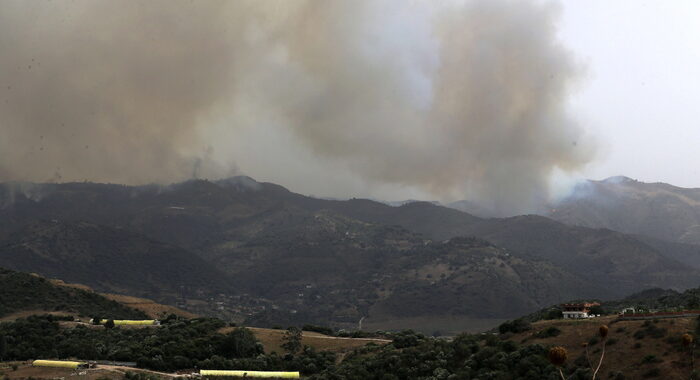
{"x": 120, "y": 369}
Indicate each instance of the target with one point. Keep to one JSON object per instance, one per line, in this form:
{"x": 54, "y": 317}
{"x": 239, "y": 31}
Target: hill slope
{"x": 24, "y": 292}
{"x": 620, "y": 262}
{"x": 636, "y": 349}
{"x": 108, "y": 259}
{"x": 659, "y": 210}
{"x": 342, "y": 271}
{"x": 296, "y": 258}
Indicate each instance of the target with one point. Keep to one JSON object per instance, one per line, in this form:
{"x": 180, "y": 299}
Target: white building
{"x": 577, "y": 310}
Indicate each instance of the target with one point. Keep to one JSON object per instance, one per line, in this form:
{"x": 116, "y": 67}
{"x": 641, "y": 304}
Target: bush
{"x": 516, "y": 326}
{"x": 292, "y": 340}
{"x": 554, "y": 314}
{"x": 407, "y": 338}
{"x": 651, "y": 359}
{"x": 657, "y": 332}
{"x": 597, "y": 310}
{"x": 654, "y": 372}
{"x": 140, "y": 376}
{"x": 548, "y": 332}
{"x": 616, "y": 376}
{"x": 239, "y": 343}
{"x": 319, "y": 329}
{"x": 650, "y": 330}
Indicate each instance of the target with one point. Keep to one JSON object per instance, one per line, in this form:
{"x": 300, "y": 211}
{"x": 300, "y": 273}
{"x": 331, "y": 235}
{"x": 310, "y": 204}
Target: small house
{"x": 577, "y": 310}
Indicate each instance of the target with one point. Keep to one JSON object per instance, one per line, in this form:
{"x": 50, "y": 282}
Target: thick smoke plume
{"x": 456, "y": 100}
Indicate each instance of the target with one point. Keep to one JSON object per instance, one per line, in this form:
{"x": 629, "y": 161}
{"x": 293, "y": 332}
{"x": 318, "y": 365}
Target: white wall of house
{"x": 575, "y": 314}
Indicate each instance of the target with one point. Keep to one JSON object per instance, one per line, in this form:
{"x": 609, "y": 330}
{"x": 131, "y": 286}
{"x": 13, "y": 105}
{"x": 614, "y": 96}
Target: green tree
{"x": 555, "y": 314}
{"x": 292, "y": 340}
{"x": 597, "y": 309}
{"x": 516, "y": 326}
{"x": 240, "y": 343}
{"x": 3, "y": 347}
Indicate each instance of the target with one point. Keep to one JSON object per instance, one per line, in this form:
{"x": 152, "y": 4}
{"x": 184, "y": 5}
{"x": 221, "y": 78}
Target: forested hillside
{"x": 25, "y": 292}
{"x": 109, "y": 259}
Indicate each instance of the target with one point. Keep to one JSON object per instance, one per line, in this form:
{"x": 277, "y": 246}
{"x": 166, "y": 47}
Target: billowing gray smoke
{"x": 457, "y": 100}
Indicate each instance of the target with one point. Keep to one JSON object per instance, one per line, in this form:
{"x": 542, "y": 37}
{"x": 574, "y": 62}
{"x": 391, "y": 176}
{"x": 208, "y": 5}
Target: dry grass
{"x": 624, "y": 355}
{"x": 61, "y": 283}
{"x": 272, "y": 340}
{"x": 151, "y": 308}
{"x": 25, "y": 370}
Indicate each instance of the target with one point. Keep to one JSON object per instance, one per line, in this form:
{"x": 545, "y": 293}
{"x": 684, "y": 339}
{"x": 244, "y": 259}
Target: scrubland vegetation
{"x": 181, "y": 344}
{"x": 22, "y": 292}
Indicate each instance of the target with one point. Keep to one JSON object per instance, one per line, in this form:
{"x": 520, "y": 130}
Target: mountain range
{"x": 262, "y": 253}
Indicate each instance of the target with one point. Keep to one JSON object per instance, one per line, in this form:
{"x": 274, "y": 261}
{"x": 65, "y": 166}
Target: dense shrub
{"x": 463, "y": 358}
{"x": 651, "y": 359}
{"x": 407, "y": 338}
{"x": 554, "y": 314}
{"x": 239, "y": 343}
{"x": 183, "y": 344}
{"x": 650, "y": 330}
{"x": 319, "y": 329}
{"x": 515, "y": 326}
{"x": 654, "y": 372}
{"x": 549, "y": 332}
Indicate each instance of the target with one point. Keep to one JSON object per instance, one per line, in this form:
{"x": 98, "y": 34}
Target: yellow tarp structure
{"x": 265, "y": 374}
{"x": 57, "y": 363}
{"x": 120, "y": 322}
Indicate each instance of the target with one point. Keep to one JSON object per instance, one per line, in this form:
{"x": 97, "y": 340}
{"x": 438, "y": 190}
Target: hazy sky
{"x": 484, "y": 100}
{"x": 641, "y": 90}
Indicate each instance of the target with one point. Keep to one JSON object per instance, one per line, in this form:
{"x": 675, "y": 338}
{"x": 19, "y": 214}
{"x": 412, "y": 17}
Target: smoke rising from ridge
{"x": 457, "y": 100}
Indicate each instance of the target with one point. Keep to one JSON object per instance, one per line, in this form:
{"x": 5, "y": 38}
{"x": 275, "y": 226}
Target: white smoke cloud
{"x": 440, "y": 100}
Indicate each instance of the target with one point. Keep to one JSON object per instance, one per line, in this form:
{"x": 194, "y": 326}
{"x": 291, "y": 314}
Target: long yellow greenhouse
{"x": 59, "y": 364}
{"x": 259, "y": 374}
{"x": 125, "y": 322}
